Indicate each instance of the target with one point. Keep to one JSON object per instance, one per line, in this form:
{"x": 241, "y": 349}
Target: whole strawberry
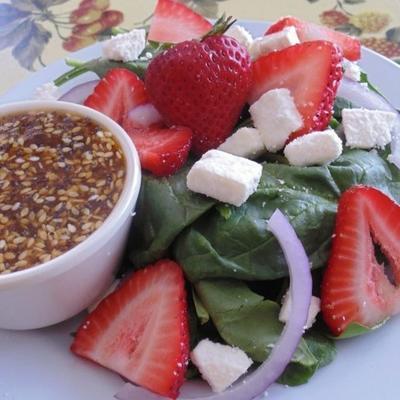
{"x": 202, "y": 85}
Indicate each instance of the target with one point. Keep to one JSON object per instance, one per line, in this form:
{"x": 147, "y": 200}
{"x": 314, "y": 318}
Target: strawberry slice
{"x": 311, "y": 71}
{"x": 141, "y": 330}
{"x": 307, "y": 31}
{"x": 355, "y": 288}
{"x": 119, "y": 91}
{"x": 162, "y": 151}
{"x": 173, "y": 22}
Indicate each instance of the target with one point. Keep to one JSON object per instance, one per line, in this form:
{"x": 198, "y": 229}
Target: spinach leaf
{"x": 339, "y": 105}
{"x": 201, "y": 312}
{"x": 241, "y": 247}
{"x": 165, "y": 207}
{"x": 237, "y": 244}
{"x": 245, "y": 320}
{"x": 355, "y": 329}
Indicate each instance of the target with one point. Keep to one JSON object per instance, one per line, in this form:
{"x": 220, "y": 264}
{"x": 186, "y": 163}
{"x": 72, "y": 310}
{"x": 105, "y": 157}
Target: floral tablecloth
{"x": 34, "y": 33}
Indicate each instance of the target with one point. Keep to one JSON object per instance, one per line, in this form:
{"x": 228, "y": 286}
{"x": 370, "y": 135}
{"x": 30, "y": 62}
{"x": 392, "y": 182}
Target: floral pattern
{"x": 25, "y": 26}
{"x": 35, "y": 31}
{"x": 366, "y": 24}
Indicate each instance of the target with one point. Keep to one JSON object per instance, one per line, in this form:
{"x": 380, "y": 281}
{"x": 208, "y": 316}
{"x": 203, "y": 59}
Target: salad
{"x": 267, "y": 224}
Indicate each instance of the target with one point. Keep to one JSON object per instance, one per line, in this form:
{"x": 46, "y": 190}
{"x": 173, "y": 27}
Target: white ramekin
{"x": 61, "y": 288}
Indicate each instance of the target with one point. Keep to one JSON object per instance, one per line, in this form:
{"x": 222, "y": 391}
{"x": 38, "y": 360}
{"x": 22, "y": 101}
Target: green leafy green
{"x": 164, "y": 208}
{"x": 237, "y": 244}
{"x": 355, "y": 329}
{"x": 339, "y": 105}
{"x": 364, "y": 79}
{"x": 201, "y": 312}
{"x": 248, "y": 321}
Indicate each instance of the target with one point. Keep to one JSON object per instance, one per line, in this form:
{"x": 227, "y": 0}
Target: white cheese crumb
{"x": 365, "y": 129}
{"x": 224, "y": 177}
{"x": 352, "y": 70}
{"x": 125, "y": 46}
{"x": 315, "y": 308}
{"x": 47, "y": 91}
{"x": 111, "y": 289}
{"x": 241, "y": 35}
{"x": 315, "y": 148}
{"x": 245, "y": 142}
{"x": 273, "y": 42}
{"x": 220, "y": 365}
{"x": 276, "y": 116}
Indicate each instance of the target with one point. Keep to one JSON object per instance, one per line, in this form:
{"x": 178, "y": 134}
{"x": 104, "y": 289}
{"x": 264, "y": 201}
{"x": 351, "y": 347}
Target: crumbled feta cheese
{"x": 240, "y": 34}
{"x": 224, "y": 177}
{"x": 273, "y": 42}
{"x": 125, "y": 46}
{"x": 111, "y": 289}
{"x": 365, "y": 129}
{"x": 47, "y": 91}
{"x": 352, "y": 70}
{"x": 245, "y": 142}
{"x": 220, "y": 365}
{"x": 276, "y": 116}
{"x": 315, "y": 308}
{"x": 315, "y": 148}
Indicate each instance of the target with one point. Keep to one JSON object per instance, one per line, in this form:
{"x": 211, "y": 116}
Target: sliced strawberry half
{"x": 311, "y": 71}
{"x": 119, "y": 91}
{"x": 355, "y": 288}
{"x": 141, "y": 330}
{"x": 308, "y": 31}
{"x": 173, "y": 22}
{"x": 162, "y": 151}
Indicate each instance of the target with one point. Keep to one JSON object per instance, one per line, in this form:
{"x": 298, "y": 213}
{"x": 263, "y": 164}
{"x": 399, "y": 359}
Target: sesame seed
{"x": 71, "y": 228}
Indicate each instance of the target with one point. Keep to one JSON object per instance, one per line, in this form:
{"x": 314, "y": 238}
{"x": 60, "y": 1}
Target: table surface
{"x": 35, "y": 33}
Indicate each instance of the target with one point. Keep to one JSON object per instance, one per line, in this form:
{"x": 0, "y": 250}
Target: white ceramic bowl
{"x": 61, "y": 288}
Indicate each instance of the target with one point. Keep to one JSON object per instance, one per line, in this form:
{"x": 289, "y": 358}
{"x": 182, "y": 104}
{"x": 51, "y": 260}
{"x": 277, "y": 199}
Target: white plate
{"x": 37, "y": 365}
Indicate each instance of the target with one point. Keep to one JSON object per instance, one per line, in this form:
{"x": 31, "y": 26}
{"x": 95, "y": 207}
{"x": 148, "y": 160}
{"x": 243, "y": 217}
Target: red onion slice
{"x": 363, "y": 97}
{"x": 258, "y": 382}
{"x": 78, "y": 94}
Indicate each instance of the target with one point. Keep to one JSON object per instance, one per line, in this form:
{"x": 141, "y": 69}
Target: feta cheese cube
{"x": 352, "y": 70}
{"x": 125, "y": 46}
{"x": 224, "y": 177}
{"x": 245, "y": 142}
{"x": 47, "y": 91}
{"x": 365, "y": 129}
{"x": 276, "y": 116}
{"x": 315, "y": 308}
{"x": 315, "y": 148}
{"x": 273, "y": 42}
{"x": 240, "y": 34}
{"x": 220, "y": 365}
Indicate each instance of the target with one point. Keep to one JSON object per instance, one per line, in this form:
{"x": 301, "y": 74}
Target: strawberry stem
{"x": 221, "y": 26}
{"x": 100, "y": 67}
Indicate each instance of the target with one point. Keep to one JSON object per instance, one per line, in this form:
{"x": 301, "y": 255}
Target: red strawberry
{"x": 308, "y": 31}
{"x": 355, "y": 288}
{"x": 202, "y": 85}
{"x": 162, "y": 151}
{"x": 141, "y": 330}
{"x": 118, "y": 92}
{"x": 311, "y": 71}
{"x": 173, "y": 22}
